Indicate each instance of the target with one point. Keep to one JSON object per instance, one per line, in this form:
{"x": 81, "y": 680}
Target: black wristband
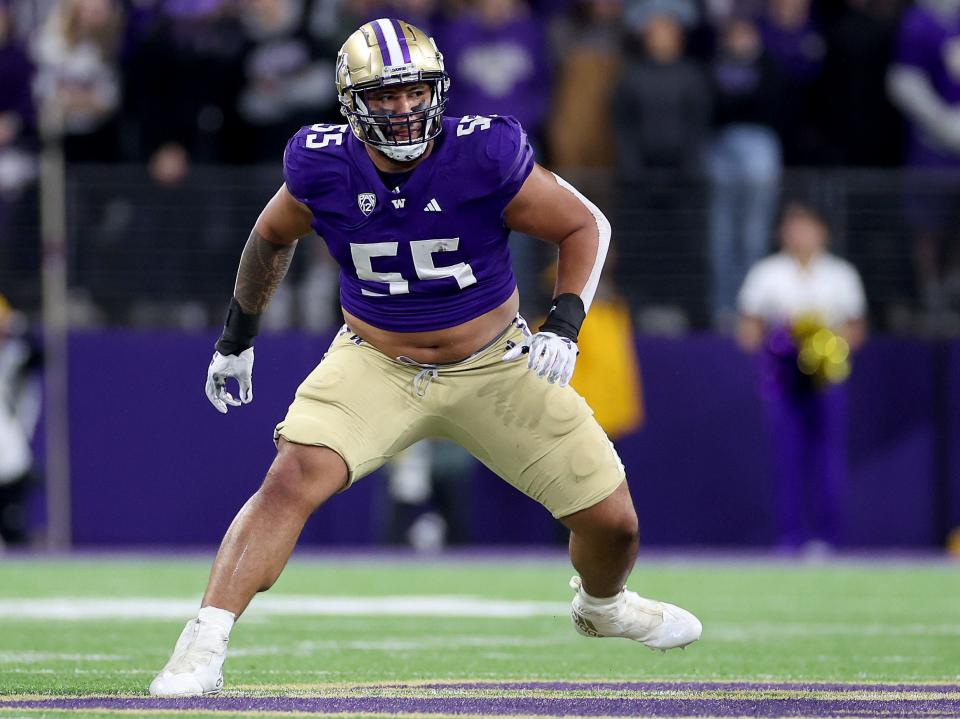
{"x": 238, "y": 331}
{"x": 565, "y": 316}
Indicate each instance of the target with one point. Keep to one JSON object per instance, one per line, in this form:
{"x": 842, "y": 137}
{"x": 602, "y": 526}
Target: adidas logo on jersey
{"x": 433, "y": 206}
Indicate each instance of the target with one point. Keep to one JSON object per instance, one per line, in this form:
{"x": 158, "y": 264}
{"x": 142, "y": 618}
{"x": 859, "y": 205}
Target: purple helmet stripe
{"x": 403, "y": 41}
{"x": 382, "y": 45}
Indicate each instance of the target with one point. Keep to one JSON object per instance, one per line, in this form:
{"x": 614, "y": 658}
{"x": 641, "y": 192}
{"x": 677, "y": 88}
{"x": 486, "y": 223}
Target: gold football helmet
{"x": 388, "y": 52}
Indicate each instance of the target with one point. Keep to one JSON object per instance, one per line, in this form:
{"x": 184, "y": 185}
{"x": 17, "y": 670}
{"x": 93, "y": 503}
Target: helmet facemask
{"x": 402, "y": 137}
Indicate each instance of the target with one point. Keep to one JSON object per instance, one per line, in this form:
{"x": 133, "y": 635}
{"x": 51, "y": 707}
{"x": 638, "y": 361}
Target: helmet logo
{"x": 400, "y": 74}
{"x": 367, "y": 201}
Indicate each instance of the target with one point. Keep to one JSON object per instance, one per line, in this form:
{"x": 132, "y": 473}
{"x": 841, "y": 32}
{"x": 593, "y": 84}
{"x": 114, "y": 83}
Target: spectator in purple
{"x": 743, "y": 160}
{"x": 924, "y": 82}
{"x": 497, "y": 52}
{"x": 793, "y": 38}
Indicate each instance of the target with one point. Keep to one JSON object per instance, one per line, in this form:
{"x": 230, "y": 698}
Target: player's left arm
{"x": 550, "y": 209}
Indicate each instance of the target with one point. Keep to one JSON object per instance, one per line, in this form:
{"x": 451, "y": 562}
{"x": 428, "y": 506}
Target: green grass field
{"x": 402, "y": 623}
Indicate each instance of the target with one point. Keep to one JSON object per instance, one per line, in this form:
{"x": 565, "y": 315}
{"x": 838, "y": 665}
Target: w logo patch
{"x": 366, "y": 201}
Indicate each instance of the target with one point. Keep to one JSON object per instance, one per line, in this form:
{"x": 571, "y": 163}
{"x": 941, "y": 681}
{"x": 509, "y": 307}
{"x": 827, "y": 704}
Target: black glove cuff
{"x": 238, "y": 331}
{"x": 565, "y": 316}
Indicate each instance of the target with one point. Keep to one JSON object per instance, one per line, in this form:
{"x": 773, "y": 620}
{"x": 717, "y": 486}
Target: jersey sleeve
{"x": 297, "y": 168}
{"x": 313, "y": 162}
{"x": 506, "y": 158}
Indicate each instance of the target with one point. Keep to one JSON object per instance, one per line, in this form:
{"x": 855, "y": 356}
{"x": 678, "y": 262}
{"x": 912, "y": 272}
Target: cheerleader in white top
{"x": 802, "y": 311}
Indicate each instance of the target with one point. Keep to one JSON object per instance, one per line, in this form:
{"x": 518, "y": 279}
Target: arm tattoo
{"x": 262, "y": 265}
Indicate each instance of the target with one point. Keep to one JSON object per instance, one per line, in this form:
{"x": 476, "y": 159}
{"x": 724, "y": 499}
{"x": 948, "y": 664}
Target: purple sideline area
{"x": 154, "y": 463}
{"x": 519, "y": 706}
{"x": 651, "y": 687}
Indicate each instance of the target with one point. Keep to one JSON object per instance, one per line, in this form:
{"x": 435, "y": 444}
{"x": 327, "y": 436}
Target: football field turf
{"x": 487, "y": 635}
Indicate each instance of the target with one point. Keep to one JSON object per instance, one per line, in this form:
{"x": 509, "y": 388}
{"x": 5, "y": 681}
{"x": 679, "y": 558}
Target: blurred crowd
{"x": 723, "y": 93}
{"x": 174, "y": 81}
{"x": 683, "y": 119}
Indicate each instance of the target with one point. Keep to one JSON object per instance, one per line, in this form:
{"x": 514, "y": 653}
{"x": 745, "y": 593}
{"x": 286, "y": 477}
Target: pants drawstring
{"x": 421, "y": 381}
{"x": 428, "y": 372}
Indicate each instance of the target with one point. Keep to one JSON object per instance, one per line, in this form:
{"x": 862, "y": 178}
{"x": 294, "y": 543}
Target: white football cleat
{"x": 196, "y": 665}
{"x": 658, "y": 625}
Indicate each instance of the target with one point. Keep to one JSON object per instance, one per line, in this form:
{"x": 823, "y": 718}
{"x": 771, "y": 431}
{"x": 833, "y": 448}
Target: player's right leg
{"x": 252, "y": 555}
{"x": 353, "y": 412}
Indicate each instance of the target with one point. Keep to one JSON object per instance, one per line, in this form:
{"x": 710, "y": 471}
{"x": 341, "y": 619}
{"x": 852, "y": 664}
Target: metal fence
{"x": 144, "y": 254}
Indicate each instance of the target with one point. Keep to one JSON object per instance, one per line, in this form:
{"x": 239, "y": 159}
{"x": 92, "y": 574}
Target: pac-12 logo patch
{"x": 367, "y": 201}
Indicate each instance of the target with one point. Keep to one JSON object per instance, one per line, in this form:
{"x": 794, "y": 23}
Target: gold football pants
{"x": 539, "y": 437}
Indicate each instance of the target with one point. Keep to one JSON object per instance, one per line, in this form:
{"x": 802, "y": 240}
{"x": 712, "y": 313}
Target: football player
{"x": 416, "y": 208}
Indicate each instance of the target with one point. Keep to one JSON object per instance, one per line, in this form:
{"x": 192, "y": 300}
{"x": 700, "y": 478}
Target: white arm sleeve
{"x": 603, "y": 243}
{"x": 910, "y": 90}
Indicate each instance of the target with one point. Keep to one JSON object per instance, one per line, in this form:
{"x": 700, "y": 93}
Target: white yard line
{"x": 788, "y": 630}
{"x": 388, "y": 644}
{"x": 40, "y": 657}
{"x": 265, "y": 607}
{"x": 69, "y": 608}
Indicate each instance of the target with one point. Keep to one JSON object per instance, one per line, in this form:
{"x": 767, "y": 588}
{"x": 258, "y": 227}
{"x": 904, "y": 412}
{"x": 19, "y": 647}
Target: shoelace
{"x": 421, "y": 381}
{"x": 199, "y": 651}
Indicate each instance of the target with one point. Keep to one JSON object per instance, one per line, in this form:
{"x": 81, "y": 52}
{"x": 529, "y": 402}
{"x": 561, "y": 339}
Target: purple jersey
{"x": 931, "y": 43}
{"x": 431, "y": 253}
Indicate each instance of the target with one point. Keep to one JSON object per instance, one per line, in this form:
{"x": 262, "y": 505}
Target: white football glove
{"x": 222, "y": 368}
{"x": 548, "y": 354}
